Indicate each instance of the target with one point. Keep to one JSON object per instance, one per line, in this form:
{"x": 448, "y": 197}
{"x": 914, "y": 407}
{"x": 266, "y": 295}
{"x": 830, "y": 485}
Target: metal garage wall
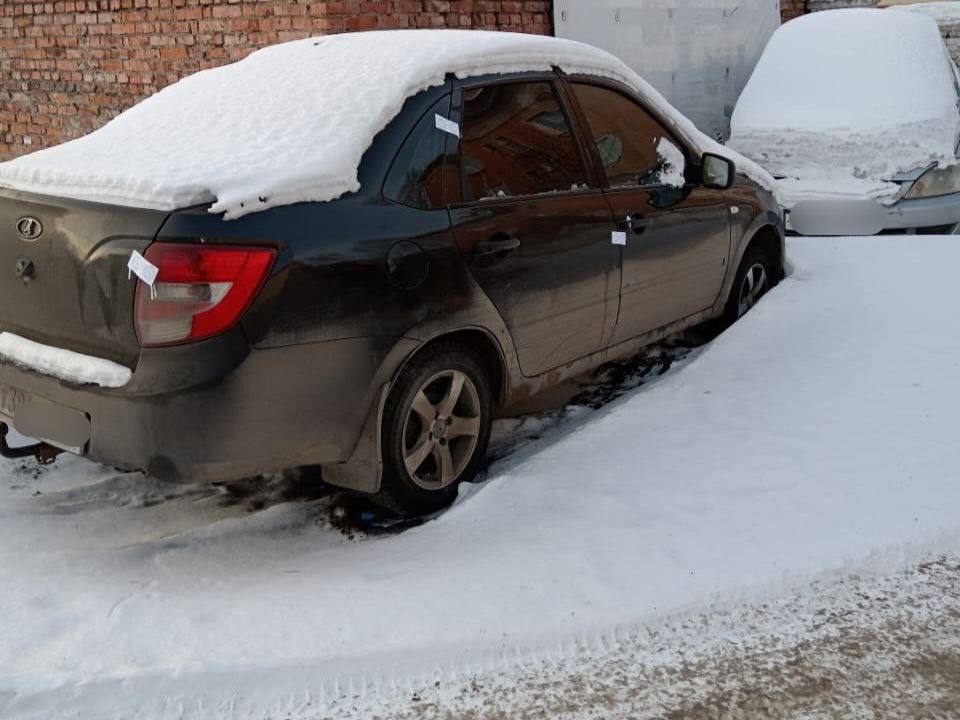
{"x": 698, "y": 53}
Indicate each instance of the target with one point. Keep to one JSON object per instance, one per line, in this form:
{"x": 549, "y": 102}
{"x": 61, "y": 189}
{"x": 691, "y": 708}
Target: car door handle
{"x": 496, "y": 245}
{"x": 637, "y": 224}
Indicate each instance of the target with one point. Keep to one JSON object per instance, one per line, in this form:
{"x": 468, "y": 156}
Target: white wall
{"x": 698, "y": 53}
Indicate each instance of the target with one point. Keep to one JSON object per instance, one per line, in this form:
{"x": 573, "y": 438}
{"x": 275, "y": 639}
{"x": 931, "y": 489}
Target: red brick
{"x": 173, "y": 53}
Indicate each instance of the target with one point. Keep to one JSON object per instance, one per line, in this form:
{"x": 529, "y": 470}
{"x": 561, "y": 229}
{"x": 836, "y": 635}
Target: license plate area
{"x": 55, "y": 424}
{"x": 40, "y": 419}
{"x": 10, "y": 399}
{"x": 837, "y": 217}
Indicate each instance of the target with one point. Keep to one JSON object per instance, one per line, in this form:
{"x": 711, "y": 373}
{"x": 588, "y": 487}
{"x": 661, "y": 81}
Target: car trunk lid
{"x": 63, "y": 275}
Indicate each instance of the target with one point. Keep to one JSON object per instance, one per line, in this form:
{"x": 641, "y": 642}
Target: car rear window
{"x": 416, "y": 176}
{"x": 516, "y": 141}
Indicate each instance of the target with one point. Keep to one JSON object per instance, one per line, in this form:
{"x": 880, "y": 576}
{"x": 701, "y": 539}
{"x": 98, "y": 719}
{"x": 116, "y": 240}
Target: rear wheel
{"x": 754, "y": 279}
{"x": 436, "y": 427}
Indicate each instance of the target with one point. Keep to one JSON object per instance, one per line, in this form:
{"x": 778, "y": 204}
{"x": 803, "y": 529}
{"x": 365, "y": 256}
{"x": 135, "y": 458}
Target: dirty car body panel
{"x": 359, "y": 286}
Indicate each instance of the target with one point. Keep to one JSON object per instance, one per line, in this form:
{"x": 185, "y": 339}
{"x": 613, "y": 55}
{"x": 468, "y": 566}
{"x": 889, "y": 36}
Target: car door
{"x": 677, "y": 232}
{"x": 532, "y": 227}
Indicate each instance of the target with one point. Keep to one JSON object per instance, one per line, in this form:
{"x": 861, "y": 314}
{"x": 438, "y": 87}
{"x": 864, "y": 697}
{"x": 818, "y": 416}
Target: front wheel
{"x": 754, "y": 279}
{"x": 436, "y": 427}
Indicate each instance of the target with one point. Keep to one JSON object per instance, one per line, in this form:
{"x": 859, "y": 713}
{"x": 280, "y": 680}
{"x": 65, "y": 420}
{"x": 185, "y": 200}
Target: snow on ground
{"x": 843, "y": 101}
{"x": 814, "y": 439}
{"x": 874, "y": 647}
{"x": 333, "y": 94}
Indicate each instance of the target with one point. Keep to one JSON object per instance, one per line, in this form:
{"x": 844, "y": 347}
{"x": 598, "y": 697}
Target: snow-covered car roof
{"x": 291, "y": 122}
{"x": 851, "y": 98}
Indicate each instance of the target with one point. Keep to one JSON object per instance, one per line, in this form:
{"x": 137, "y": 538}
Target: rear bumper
{"x": 220, "y": 411}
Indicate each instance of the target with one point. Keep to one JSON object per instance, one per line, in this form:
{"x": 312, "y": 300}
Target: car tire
{"x": 436, "y": 427}
{"x": 755, "y": 277}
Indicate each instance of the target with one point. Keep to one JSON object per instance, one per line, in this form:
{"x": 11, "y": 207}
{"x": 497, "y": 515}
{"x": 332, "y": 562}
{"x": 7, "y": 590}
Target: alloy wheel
{"x": 755, "y": 284}
{"x": 441, "y": 430}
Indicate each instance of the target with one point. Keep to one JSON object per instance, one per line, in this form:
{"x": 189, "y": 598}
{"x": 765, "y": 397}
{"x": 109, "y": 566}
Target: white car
{"x": 855, "y": 112}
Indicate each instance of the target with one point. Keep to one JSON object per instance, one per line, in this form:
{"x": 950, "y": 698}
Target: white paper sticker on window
{"x": 142, "y": 268}
{"x": 619, "y": 238}
{"x": 448, "y": 126}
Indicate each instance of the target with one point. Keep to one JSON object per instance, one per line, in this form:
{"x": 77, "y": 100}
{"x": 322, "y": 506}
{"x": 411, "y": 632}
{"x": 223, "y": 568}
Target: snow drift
{"x": 291, "y": 122}
{"x": 817, "y": 435}
{"x": 843, "y": 101}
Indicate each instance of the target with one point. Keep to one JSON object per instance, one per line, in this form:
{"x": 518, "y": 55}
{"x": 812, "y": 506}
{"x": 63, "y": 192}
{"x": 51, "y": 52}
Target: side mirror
{"x": 719, "y": 172}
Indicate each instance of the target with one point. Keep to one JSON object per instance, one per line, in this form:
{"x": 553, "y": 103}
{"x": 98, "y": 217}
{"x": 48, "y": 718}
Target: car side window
{"x": 635, "y": 149}
{"x": 416, "y": 176}
{"x": 517, "y": 141}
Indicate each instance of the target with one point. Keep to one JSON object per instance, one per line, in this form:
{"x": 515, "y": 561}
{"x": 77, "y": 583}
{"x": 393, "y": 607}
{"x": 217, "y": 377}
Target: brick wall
{"x": 789, "y": 9}
{"x": 818, "y": 5}
{"x": 68, "y": 66}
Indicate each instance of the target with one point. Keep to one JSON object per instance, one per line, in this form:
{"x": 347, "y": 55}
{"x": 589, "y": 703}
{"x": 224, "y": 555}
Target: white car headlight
{"x": 935, "y": 182}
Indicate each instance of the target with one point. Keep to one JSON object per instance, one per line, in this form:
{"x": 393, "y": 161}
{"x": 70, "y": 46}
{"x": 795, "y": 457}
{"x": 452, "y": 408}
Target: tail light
{"x": 200, "y": 291}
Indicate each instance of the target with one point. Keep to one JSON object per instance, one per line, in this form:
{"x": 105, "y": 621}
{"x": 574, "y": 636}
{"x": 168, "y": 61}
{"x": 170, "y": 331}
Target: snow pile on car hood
{"x": 845, "y": 100}
{"x": 291, "y": 122}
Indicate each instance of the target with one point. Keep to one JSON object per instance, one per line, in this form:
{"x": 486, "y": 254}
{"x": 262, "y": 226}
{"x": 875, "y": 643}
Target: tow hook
{"x": 44, "y": 453}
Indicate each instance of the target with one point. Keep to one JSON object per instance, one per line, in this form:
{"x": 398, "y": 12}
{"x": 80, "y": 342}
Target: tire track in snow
{"x": 861, "y": 648}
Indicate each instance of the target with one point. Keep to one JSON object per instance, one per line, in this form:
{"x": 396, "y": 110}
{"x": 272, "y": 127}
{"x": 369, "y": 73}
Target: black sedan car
{"x": 510, "y": 230}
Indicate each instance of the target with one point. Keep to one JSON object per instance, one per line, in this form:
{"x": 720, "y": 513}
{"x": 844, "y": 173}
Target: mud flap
{"x": 364, "y": 470}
